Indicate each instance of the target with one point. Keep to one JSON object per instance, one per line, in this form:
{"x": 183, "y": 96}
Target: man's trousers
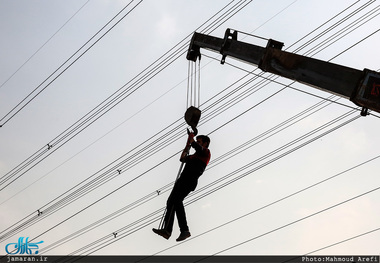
{"x": 174, "y": 204}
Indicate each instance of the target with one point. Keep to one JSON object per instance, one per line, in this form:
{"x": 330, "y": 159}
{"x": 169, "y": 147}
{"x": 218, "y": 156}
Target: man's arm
{"x": 190, "y": 139}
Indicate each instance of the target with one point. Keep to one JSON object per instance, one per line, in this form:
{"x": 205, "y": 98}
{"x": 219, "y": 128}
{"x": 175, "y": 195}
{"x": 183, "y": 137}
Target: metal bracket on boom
{"x": 228, "y": 36}
{"x": 265, "y": 61}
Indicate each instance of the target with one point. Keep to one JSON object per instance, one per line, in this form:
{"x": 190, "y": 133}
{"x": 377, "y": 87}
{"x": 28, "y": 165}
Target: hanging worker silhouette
{"x": 195, "y": 165}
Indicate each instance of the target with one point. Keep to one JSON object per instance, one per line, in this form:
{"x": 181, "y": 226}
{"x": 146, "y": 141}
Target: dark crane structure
{"x": 362, "y": 87}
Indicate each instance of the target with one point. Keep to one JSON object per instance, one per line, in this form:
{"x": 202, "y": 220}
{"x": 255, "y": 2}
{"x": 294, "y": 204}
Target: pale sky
{"x": 110, "y": 98}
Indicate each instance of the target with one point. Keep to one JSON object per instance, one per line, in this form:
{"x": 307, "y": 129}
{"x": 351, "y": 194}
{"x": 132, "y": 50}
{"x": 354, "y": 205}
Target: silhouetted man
{"x": 195, "y": 165}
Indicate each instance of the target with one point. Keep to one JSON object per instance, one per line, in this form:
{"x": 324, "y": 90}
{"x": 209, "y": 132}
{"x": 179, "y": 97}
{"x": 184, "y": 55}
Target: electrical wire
{"x": 330, "y": 28}
{"x": 71, "y": 196}
{"x": 39, "y": 155}
{"x": 103, "y": 245}
{"x": 99, "y": 244}
{"x": 348, "y": 29}
{"x": 212, "y": 164}
{"x": 365, "y": 38}
{"x": 299, "y": 220}
{"x": 21, "y": 105}
{"x": 275, "y": 202}
{"x": 345, "y": 240}
{"x": 43, "y": 45}
{"x": 109, "y": 103}
{"x": 44, "y": 150}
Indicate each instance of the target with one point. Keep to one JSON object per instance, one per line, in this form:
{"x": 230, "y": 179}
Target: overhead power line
{"x": 110, "y": 170}
{"x": 247, "y": 170}
{"x": 333, "y": 26}
{"x": 357, "y": 43}
{"x": 201, "y": 193}
{"x": 299, "y": 220}
{"x": 50, "y": 79}
{"x": 345, "y": 240}
{"x": 258, "y": 139}
{"x": 276, "y": 202}
{"x": 114, "y": 241}
{"x": 44, "y": 44}
{"x": 117, "y": 97}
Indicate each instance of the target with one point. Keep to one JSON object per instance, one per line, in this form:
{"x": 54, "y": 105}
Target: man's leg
{"x": 170, "y": 210}
{"x": 180, "y": 210}
{"x": 167, "y": 227}
{"x": 175, "y": 206}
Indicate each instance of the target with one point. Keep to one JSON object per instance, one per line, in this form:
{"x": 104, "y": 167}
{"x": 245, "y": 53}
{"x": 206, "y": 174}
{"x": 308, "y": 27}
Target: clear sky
{"x": 92, "y": 127}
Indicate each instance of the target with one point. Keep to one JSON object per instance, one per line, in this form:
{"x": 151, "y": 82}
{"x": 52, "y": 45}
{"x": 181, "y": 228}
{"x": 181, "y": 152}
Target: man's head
{"x": 203, "y": 140}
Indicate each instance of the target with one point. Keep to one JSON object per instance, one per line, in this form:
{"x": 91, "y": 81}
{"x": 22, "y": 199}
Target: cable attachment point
{"x": 364, "y": 112}
{"x": 49, "y": 146}
{"x": 114, "y": 234}
{"x": 119, "y": 171}
{"x": 158, "y": 192}
{"x": 39, "y": 212}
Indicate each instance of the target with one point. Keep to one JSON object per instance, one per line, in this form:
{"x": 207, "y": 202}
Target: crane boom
{"x": 360, "y": 86}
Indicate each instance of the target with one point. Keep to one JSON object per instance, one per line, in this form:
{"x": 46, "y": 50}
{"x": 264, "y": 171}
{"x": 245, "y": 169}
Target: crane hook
{"x": 192, "y": 116}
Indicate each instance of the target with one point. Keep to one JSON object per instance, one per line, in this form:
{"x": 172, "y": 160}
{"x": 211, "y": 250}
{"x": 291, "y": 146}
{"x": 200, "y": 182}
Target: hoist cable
{"x": 133, "y": 180}
{"x": 212, "y": 163}
{"x": 56, "y": 148}
{"x": 113, "y": 100}
{"x": 52, "y": 143}
{"x": 199, "y": 82}
{"x": 272, "y": 153}
{"x": 188, "y": 85}
{"x": 164, "y": 189}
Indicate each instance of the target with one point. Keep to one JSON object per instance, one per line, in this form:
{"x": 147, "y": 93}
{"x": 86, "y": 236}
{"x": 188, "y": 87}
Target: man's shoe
{"x": 183, "y": 236}
{"x": 162, "y": 232}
